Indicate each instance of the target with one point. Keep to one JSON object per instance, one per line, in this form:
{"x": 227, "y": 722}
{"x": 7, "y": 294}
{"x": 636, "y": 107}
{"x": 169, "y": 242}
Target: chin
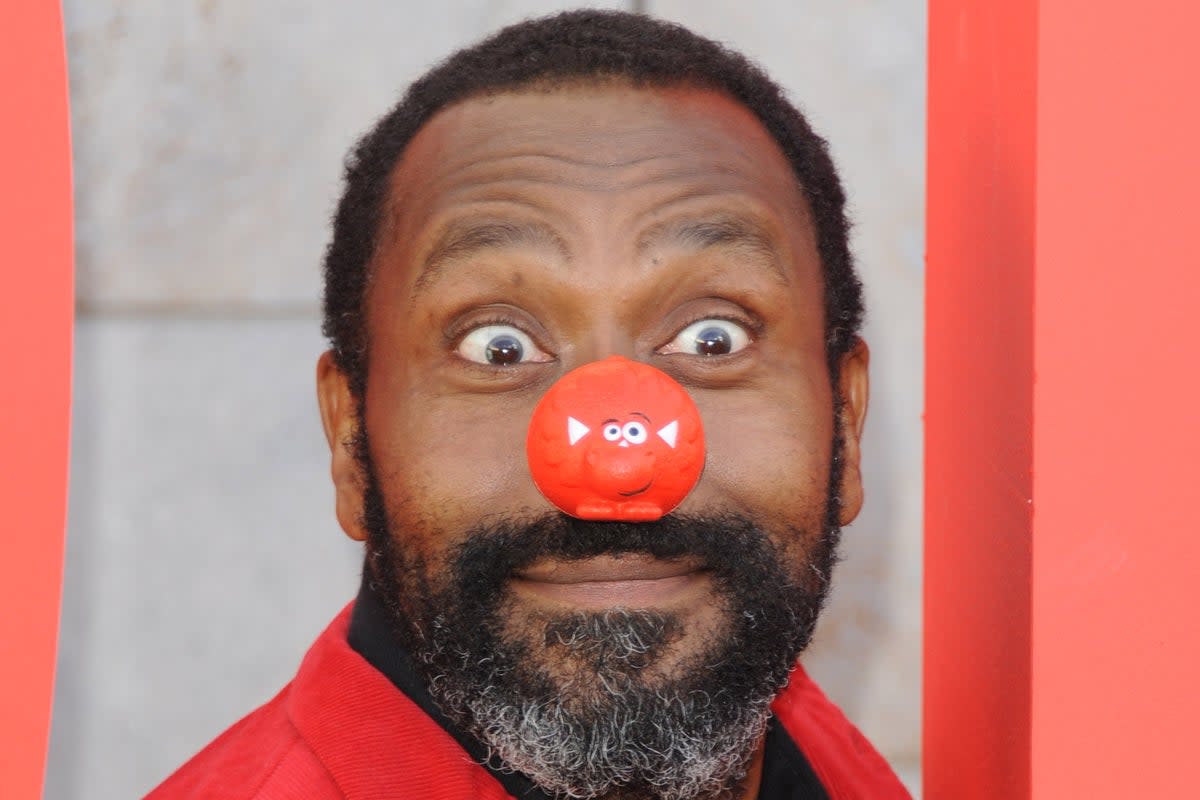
{"x": 584, "y": 653}
{"x": 666, "y": 700}
{"x": 588, "y": 703}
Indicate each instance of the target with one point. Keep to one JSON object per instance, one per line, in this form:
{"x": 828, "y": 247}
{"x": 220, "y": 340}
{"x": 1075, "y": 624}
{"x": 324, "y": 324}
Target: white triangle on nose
{"x": 576, "y": 430}
{"x": 669, "y": 432}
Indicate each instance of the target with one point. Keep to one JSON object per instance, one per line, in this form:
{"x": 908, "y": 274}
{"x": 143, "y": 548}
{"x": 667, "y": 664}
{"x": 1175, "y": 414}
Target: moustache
{"x": 726, "y": 544}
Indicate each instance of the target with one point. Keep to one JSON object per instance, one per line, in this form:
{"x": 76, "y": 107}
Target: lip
{"x": 632, "y": 567}
{"x": 636, "y": 581}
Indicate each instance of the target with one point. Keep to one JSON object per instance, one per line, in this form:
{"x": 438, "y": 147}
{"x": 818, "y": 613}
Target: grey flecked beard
{"x": 583, "y": 703}
{"x": 599, "y": 728}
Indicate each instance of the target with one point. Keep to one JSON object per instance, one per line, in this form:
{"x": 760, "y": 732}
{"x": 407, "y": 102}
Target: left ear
{"x": 339, "y": 416}
{"x": 854, "y": 386}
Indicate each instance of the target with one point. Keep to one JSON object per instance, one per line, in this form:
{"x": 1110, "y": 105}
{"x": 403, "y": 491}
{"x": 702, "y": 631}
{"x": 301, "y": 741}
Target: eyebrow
{"x": 462, "y": 239}
{"x": 730, "y": 231}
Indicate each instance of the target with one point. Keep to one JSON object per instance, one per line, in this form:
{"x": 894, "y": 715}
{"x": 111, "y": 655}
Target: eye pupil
{"x": 504, "y": 349}
{"x": 713, "y": 341}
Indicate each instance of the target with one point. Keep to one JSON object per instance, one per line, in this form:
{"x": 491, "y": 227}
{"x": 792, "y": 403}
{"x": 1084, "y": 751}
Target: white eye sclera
{"x": 634, "y": 432}
{"x": 499, "y": 345}
{"x": 612, "y": 431}
{"x": 710, "y": 337}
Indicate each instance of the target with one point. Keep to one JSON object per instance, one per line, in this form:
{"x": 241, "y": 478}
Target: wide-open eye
{"x": 634, "y": 432}
{"x": 709, "y": 337}
{"x": 612, "y": 431}
{"x": 500, "y": 345}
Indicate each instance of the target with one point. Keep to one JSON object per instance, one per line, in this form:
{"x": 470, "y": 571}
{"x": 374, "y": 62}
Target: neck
{"x": 748, "y": 789}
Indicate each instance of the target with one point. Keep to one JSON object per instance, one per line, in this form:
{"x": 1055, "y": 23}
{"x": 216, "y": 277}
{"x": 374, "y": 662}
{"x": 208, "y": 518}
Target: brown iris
{"x": 713, "y": 341}
{"x": 504, "y": 349}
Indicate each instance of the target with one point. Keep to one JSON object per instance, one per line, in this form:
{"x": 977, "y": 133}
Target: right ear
{"x": 339, "y": 416}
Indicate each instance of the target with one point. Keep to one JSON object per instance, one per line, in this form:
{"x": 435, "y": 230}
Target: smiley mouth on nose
{"x": 636, "y": 491}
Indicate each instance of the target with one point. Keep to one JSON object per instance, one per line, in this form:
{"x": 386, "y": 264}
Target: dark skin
{"x": 586, "y": 221}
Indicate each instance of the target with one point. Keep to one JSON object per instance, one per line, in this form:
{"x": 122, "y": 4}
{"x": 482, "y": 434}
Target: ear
{"x": 854, "y": 386}
{"x": 339, "y": 416}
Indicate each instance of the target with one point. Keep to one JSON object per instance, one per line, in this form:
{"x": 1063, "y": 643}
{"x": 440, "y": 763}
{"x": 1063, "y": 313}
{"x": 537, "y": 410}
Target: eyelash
{"x": 455, "y": 336}
{"x": 459, "y": 332}
{"x": 754, "y": 326}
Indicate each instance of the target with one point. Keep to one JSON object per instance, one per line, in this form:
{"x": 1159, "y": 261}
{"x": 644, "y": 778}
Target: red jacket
{"x": 341, "y": 731}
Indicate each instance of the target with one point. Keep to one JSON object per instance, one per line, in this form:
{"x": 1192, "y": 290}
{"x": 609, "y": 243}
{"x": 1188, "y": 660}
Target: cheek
{"x": 446, "y": 463}
{"x": 768, "y": 454}
{"x": 444, "y": 458}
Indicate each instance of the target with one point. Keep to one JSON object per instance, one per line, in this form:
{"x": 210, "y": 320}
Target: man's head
{"x": 573, "y": 188}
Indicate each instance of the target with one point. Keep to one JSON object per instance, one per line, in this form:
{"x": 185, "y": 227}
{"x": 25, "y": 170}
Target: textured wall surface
{"x": 203, "y": 555}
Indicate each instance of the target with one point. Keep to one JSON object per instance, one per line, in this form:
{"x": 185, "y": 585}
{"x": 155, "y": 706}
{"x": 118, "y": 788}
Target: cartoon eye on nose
{"x": 612, "y": 431}
{"x": 634, "y": 432}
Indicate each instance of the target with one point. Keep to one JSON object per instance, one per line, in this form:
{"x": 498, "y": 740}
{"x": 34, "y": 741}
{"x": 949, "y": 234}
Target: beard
{"x": 594, "y": 704}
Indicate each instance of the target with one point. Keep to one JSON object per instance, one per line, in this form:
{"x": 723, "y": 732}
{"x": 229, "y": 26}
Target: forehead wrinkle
{"x": 601, "y": 165}
{"x": 559, "y": 158}
{"x": 466, "y": 237}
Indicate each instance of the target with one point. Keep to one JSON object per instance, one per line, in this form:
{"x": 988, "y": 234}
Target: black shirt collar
{"x": 787, "y": 775}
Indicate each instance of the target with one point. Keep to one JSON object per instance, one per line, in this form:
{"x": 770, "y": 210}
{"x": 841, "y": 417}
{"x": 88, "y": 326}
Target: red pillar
{"x": 36, "y": 304}
{"x": 1063, "y": 531}
{"x": 982, "y": 139}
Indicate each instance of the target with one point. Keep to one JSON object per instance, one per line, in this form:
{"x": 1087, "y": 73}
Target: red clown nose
{"x": 615, "y": 440}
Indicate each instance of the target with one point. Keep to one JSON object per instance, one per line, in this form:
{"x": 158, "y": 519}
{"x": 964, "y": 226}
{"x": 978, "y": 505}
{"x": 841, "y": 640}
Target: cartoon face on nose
{"x": 616, "y": 440}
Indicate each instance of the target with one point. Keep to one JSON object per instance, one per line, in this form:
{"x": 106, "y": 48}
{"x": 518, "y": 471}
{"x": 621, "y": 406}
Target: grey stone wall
{"x": 203, "y": 555}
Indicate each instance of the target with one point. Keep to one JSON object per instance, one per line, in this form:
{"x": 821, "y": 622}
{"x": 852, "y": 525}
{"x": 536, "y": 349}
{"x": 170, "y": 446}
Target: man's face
{"x": 533, "y": 232}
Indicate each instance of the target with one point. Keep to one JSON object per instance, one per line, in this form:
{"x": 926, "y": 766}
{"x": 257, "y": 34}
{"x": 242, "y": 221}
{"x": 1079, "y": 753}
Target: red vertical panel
{"x": 979, "y": 362}
{"x": 1116, "y": 639}
{"x": 35, "y": 351}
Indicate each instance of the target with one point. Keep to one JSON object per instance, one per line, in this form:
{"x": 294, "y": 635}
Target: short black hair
{"x": 570, "y": 47}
